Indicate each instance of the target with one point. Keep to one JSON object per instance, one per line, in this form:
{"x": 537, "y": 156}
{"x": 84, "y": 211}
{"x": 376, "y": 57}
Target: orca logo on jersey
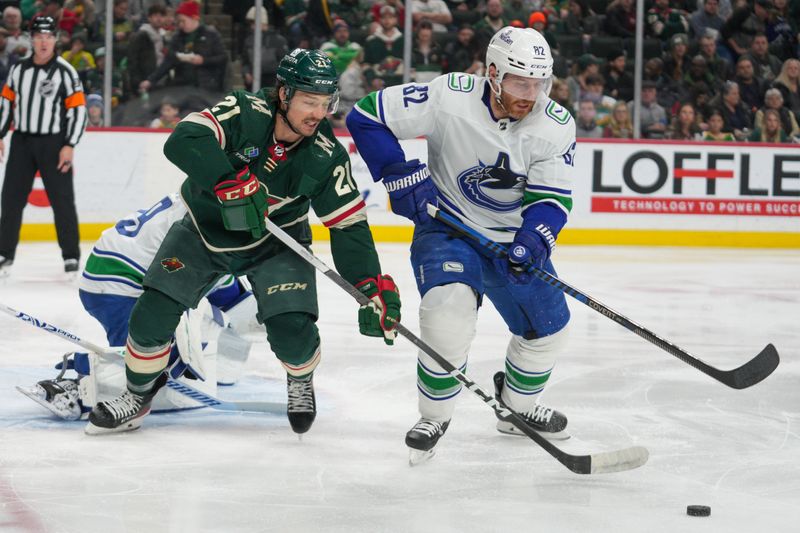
{"x": 476, "y": 182}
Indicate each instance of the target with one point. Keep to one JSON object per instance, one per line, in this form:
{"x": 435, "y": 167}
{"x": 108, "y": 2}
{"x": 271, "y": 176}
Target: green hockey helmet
{"x": 310, "y": 71}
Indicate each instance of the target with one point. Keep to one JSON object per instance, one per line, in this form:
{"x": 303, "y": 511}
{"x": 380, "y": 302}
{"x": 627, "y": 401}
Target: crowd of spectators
{"x": 714, "y": 69}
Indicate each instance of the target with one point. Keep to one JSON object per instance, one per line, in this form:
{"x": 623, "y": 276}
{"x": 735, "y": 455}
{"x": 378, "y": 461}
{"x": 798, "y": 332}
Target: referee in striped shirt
{"x": 44, "y": 98}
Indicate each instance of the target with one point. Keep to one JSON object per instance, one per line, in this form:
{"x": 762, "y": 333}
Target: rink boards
{"x": 628, "y": 192}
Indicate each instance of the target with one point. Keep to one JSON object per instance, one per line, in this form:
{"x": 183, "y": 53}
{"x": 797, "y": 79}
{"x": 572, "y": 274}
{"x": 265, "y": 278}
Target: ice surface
{"x": 737, "y": 451}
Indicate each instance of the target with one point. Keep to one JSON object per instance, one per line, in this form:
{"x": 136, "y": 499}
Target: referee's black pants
{"x": 27, "y": 154}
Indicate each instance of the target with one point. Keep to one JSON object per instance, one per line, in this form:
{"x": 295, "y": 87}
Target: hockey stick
{"x": 750, "y": 373}
{"x": 186, "y": 390}
{"x": 598, "y": 463}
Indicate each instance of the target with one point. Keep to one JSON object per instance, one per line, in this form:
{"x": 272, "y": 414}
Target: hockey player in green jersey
{"x": 273, "y": 154}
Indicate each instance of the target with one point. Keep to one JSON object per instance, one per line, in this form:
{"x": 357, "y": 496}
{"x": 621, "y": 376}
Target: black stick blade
{"x": 753, "y": 371}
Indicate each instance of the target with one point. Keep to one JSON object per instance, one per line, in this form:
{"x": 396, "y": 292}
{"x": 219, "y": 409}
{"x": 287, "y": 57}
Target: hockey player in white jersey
{"x": 500, "y": 155}
{"x": 212, "y": 339}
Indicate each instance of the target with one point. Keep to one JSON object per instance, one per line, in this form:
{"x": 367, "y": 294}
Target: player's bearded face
{"x": 519, "y": 94}
{"x": 307, "y": 110}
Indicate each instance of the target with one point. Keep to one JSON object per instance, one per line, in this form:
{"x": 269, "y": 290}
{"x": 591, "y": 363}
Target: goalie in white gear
{"x": 212, "y": 343}
{"x": 501, "y": 157}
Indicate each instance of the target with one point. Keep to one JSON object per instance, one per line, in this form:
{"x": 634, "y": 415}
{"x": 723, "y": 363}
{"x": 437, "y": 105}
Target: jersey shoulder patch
{"x": 460, "y": 82}
{"x": 557, "y": 112}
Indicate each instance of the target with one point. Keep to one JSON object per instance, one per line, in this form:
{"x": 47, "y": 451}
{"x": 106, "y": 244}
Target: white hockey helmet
{"x": 525, "y": 53}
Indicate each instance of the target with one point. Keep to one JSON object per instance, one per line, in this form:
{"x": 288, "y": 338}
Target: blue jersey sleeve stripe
{"x": 376, "y": 143}
{"x": 380, "y": 106}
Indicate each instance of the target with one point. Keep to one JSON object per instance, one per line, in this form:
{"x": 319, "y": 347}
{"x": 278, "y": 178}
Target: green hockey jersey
{"x": 214, "y": 144}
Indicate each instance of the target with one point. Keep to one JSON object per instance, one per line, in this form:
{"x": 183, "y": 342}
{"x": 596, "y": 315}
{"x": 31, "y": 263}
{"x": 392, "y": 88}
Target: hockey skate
{"x": 422, "y": 439}
{"x": 548, "y": 422}
{"x": 59, "y": 396}
{"x": 123, "y": 413}
{"x": 301, "y": 406}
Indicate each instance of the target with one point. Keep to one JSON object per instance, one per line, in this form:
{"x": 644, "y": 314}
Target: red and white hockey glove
{"x": 379, "y": 318}
{"x": 244, "y": 203}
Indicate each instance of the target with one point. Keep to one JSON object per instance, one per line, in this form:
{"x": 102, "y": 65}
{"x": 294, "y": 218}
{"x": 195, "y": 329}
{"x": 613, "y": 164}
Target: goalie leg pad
{"x": 447, "y": 316}
{"x": 294, "y": 338}
{"x": 529, "y": 363}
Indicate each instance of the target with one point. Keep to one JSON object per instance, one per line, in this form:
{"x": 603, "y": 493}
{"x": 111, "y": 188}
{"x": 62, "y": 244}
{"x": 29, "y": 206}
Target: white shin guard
{"x": 528, "y": 367}
{"x": 447, "y": 317}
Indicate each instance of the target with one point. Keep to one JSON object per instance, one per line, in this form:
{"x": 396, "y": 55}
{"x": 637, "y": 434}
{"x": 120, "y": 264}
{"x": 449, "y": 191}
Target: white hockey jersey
{"x": 488, "y": 171}
{"x": 119, "y": 260}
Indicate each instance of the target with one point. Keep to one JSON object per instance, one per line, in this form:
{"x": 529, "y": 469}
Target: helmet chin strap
{"x": 497, "y": 94}
{"x": 282, "y": 113}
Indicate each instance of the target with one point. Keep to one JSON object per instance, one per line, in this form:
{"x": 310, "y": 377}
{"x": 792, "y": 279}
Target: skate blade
{"x": 30, "y": 393}
{"x": 511, "y": 429}
{"x": 131, "y": 425}
{"x": 418, "y": 457}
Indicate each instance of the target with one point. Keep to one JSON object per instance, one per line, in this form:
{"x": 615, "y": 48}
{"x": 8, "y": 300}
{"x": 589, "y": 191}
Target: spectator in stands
{"x": 603, "y": 104}
{"x": 94, "y": 111}
{"x": 621, "y": 19}
{"x": 435, "y": 11}
{"x": 771, "y": 131}
{"x": 676, "y": 62}
{"x": 685, "y": 126}
{"x": 462, "y": 55}
{"x": 517, "y": 9}
{"x": 586, "y": 65}
{"x": 698, "y": 73}
{"x": 95, "y": 77}
{"x": 169, "y": 114}
{"x": 196, "y": 54}
{"x": 352, "y": 88}
{"x": 318, "y": 21}
{"x": 560, "y": 95}
{"x": 490, "y": 23}
{"x": 585, "y": 123}
{"x": 66, "y": 20}
{"x": 146, "y": 49}
{"x": 341, "y": 49}
{"x": 77, "y": 56}
{"x": 383, "y": 52}
{"x": 576, "y": 20}
{"x": 426, "y": 55}
{"x": 7, "y": 59}
{"x": 619, "y": 125}
{"x": 717, "y": 65}
{"x": 788, "y": 83}
{"x": 355, "y": 13}
{"x": 122, "y": 29}
{"x": 738, "y": 117}
{"x": 619, "y": 83}
{"x": 663, "y": 21}
{"x": 782, "y": 30}
{"x": 538, "y": 21}
{"x": 700, "y": 96}
{"x": 766, "y": 65}
{"x": 653, "y": 121}
{"x": 773, "y": 99}
{"x": 85, "y": 13}
{"x": 751, "y": 89}
{"x": 19, "y": 41}
{"x": 715, "y": 128}
{"x": 399, "y": 9}
{"x": 273, "y": 48}
{"x": 745, "y": 22}
{"x": 706, "y": 22}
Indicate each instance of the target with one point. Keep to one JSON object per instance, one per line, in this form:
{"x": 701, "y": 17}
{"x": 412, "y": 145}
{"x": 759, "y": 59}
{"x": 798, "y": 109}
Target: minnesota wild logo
{"x": 172, "y": 264}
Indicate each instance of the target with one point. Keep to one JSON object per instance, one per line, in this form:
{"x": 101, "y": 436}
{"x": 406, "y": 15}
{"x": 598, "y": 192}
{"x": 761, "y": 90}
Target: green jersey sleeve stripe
{"x": 529, "y": 197}
{"x": 110, "y": 266}
{"x": 368, "y": 106}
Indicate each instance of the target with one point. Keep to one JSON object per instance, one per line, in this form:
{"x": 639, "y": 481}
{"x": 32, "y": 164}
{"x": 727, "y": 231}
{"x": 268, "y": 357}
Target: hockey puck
{"x": 698, "y": 510}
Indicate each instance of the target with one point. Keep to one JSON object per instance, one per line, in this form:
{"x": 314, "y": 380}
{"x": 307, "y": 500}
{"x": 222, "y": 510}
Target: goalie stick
{"x": 747, "y": 375}
{"x": 597, "y": 463}
{"x": 183, "y": 388}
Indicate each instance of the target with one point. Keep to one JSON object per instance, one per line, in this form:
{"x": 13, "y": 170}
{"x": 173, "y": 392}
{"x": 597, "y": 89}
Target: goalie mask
{"x": 523, "y": 52}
